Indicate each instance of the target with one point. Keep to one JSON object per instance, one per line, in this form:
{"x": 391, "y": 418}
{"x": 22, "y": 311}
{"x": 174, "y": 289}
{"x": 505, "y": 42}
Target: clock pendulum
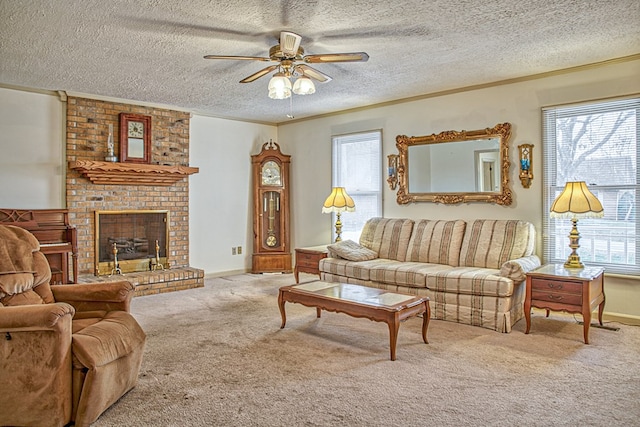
{"x": 272, "y": 240}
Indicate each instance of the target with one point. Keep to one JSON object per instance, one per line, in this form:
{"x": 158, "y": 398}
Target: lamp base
{"x": 573, "y": 262}
{"x": 338, "y": 227}
{"x": 574, "y": 238}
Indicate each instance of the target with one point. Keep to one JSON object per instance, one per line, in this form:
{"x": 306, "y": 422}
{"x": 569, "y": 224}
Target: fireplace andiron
{"x": 116, "y": 266}
{"x": 158, "y": 265}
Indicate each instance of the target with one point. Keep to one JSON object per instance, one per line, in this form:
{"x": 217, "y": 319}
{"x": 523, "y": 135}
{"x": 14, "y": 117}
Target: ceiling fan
{"x": 291, "y": 61}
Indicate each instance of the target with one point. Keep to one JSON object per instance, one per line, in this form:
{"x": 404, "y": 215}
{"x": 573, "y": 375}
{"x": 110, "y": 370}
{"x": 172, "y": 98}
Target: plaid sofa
{"x": 473, "y": 272}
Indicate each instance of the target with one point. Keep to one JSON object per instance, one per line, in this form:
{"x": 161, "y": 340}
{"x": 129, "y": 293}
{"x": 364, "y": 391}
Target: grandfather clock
{"x": 271, "y": 252}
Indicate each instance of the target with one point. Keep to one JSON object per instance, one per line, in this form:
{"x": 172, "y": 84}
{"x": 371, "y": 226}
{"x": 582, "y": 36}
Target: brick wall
{"x": 87, "y": 131}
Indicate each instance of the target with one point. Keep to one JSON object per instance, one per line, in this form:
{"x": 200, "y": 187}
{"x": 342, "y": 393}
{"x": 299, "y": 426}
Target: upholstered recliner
{"x": 67, "y": 352}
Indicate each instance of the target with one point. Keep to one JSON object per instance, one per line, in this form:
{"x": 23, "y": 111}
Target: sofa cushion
{"x": 436, "y": 242}
{"x": 388, "y": 237}
{"x": 471, "y": 281}
{"x": 491, "y": 243}
{"x": 411, "y": 274}
{"x": 355, "y": 269}
{"x": 348, "y": 249}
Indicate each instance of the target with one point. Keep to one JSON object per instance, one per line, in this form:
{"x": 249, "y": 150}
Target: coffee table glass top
{"x": 356, "y": 293}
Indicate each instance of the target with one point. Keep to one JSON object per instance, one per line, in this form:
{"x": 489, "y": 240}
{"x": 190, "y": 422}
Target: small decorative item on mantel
{"x": 526, "y": 164}
{"x": 111, "y": 157}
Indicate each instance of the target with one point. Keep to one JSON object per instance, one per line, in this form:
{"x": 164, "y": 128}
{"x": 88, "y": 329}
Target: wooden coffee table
{"x": 359, "y": 301}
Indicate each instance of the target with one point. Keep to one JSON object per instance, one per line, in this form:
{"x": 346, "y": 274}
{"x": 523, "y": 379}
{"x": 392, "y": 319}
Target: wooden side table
{"x": 308, "y": 260}
{"x": 554, "y": 287}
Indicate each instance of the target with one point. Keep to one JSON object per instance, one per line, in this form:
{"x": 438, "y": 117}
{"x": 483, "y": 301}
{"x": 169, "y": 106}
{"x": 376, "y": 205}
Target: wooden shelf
{"x": 131, "y": 173}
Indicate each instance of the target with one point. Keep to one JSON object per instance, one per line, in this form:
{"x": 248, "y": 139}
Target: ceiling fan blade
{"x": 289, "y": 43}
{"x": 313, "y": 73}
{"x": 249, "y": 58}
{"x": 337, "y": 57}
{"x": 256, "y": 76}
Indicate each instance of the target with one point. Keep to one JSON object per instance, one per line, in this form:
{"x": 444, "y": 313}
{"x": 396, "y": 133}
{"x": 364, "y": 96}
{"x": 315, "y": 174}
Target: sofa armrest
{"x": 36, "y": 317}
{"x": 108, "y": 296}
{"x": 516, "y": 269}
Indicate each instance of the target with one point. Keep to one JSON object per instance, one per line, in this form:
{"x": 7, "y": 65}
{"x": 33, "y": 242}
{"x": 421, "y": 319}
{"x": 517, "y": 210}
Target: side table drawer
{"x": 307, "y": 258}
{"x": 310, "y": 263}
{"x": 544, "y": 285}
{"x": 557, "y": 297}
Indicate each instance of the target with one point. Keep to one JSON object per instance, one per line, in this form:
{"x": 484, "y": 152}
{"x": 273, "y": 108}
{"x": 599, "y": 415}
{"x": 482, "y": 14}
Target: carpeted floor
{"x": 216, "y": 356}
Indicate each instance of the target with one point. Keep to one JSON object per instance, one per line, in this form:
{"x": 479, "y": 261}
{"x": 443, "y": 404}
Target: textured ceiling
{"x": 152, "y": 50}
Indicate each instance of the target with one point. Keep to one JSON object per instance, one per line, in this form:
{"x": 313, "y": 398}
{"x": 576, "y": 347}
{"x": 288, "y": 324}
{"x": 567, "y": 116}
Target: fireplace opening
{"x": 130, "y": 241}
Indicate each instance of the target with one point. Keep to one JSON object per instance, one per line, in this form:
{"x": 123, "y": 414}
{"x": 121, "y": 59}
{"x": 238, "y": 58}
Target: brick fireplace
{"x": 87, "y": 129}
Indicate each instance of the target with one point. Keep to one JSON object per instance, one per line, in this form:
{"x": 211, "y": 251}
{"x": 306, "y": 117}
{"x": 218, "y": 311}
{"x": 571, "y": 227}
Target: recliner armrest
{"x": 109, "y": 296}
{"x": 36, "y": 317}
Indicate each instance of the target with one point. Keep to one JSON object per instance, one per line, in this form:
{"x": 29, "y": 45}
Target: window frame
{"x": 555, "y": 231}
{"x": 339, "y": 181}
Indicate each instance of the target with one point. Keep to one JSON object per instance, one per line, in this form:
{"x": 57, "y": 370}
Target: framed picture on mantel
{"x": 135, "y": 138}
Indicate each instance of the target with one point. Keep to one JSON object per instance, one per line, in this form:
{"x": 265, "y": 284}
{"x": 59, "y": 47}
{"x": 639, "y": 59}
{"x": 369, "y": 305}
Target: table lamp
{"x": 576, "y": 202}
{"x": 338, "y": 201}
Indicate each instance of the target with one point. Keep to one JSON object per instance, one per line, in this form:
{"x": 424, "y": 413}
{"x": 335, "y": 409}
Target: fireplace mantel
{"x": 131, "y": 173}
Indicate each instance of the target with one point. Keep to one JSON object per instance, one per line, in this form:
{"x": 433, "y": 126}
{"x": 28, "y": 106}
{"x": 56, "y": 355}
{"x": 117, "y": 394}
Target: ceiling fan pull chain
{"x": 290, "y": 115}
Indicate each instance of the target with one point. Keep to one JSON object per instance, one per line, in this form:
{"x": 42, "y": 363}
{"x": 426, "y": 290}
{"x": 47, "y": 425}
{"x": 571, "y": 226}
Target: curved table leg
{"x": 586, "y": 322}
{"x": 394, "y": 325}
{"x": 601, "y": 306}
{"x": 527, "y": 310}
{"x": 426, "y": 316}
{"x": 281, "y": 306}
{"x": 600, "y": 310}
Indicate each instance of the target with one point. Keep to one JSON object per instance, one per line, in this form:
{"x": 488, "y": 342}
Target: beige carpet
{"x": 216, "y": 356}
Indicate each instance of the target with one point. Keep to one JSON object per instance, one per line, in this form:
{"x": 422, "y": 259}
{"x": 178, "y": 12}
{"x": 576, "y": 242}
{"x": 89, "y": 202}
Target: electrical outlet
{"x": 233, "y": 250}
{"x": 239, "y": 250}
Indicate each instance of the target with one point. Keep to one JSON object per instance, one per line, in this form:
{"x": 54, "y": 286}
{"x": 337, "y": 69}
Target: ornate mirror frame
{"x": 502, "y": 197}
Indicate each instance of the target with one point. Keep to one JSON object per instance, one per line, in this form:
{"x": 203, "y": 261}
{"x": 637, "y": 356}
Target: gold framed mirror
{"x": 455, "y": 167}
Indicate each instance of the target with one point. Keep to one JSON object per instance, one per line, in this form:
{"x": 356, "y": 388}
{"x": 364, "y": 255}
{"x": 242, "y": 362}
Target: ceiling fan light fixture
{"x": 304, "y": 86}
{"x": 279, "y": 86}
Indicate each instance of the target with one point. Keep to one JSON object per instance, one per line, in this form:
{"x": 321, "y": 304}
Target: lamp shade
{"x": 338, "y": 201}
{"x": 576, "y": 201}
{"x": 304, "y": 86}
{"x": 279, "y": 86}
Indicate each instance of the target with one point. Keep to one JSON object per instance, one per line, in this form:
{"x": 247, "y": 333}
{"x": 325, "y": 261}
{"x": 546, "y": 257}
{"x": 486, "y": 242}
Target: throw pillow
{"x": 350, "y": 250}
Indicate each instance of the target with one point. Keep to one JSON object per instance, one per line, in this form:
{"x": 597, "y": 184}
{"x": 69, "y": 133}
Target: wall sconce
{"x": 526, "y": 164}
{"x": 392, "y": 171}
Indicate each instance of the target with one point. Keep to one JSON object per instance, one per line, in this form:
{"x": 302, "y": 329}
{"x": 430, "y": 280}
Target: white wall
{"x": 220, "y": 196}
{"x": 32, "y": 169}
{"x": 518, "y": 103}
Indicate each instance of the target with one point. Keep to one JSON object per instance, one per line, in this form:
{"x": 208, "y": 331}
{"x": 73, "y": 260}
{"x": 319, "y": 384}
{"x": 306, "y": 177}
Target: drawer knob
{"x": 555, "y": 297}
{"x": 554, "y": 286}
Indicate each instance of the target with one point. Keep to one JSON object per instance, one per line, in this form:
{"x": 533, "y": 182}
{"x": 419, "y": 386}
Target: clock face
{"x": 136, "y": 129}
{"x": 271, "y": 241}
{"x": 271, "y": 174}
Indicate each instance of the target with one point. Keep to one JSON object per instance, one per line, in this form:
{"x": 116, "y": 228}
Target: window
{"x": 357, "y": 166}
{"x": 596, "y": 143}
